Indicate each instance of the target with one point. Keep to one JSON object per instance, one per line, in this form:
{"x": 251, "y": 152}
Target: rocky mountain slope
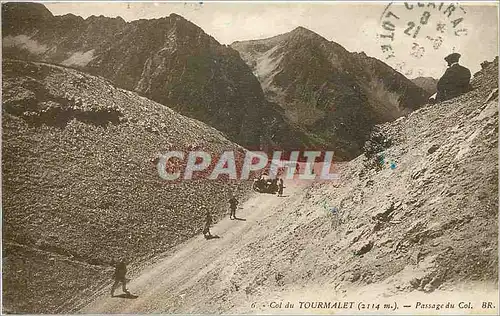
{"x": 169, "y": 60}
{"x": 426, "y": 83}
{"x": 423, "y": 227}
{"x": 426, "y": 221}
{"x": 332, "y": 93}
{"x": 79, "y": 186}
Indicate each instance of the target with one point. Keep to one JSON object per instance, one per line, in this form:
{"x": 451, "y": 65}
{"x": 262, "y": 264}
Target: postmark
{"x": 412, "y": 33}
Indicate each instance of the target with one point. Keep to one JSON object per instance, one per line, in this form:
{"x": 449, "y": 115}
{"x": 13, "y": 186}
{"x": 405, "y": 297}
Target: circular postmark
{"x": 412, "y": 34}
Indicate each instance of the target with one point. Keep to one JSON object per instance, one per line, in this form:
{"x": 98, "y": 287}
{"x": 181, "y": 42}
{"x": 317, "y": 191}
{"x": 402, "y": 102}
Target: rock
{"x": 359, "y": 225}
{"x": 418, "y": 173}
{"x": 364, "y": 248}
{"x": 356, "y": 238}
{"x": 384, "y": 214}
{"x": 354, "y": 276}
{"x": 378, "y": 226}
{"x": 493, "y": 94}
{"x": 485, "y": 64}
{"x": 489, "y": 110}
{"x": 428, "y": 288}
{"x": 387, "y": 242}
{"x": 433, "y": 149}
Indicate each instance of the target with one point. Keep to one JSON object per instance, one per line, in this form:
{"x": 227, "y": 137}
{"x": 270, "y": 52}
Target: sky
{"x": 376, "y": 28}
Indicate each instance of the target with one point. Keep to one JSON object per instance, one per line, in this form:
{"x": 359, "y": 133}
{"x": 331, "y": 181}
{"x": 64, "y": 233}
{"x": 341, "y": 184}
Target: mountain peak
{"x": 320, "y": 86}
{"x": 176, "y": 16}
{"x": 300, "y": 30}
{"x": 26, "y": 11}
{"x": 301, "y": 33}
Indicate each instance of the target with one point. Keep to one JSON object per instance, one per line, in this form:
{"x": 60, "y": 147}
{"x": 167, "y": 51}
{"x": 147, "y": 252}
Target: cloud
{"x": 80, "y": 59}
{"x": 24, "y": 42}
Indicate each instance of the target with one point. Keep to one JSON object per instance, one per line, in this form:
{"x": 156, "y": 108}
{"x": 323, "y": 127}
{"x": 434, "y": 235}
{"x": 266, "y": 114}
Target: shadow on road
{"x": 240, "y": 219}
{"x": 129, "y": 296}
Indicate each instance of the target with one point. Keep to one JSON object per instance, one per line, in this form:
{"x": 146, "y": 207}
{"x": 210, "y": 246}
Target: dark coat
{"x": 233, "y": 203}
{"x": 208, "y": 219}
{"x": 454, "y": 82}
{"x": 120, "y": 271}
{"x": 208, "y": 223}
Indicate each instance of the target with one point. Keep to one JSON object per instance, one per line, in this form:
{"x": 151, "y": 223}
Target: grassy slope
{"x": 80, "y": 191}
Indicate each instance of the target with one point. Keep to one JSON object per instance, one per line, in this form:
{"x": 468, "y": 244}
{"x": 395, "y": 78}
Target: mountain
{"x": 317, "y": 95}
{"x": 169, "y": 60}
{"x": 332, "y": 93}
{"x": 79, "y": 188}
{"x": 426, "y": 83}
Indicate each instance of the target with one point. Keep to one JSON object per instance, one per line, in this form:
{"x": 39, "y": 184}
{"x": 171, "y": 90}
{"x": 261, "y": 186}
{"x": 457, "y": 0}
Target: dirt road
{"x": 277, "y": 253}
{"x": 177, "y": 283}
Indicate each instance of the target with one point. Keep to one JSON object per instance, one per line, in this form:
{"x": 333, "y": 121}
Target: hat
{"x": 452, "y": 57}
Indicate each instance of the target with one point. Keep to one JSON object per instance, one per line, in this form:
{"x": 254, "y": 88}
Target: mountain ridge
{"x": 174, "y": 62}
{"x": 169, "y": 60}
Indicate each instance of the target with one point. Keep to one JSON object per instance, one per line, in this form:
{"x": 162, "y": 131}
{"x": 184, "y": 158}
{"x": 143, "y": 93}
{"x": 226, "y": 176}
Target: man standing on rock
{"x": 455, "y": 80}
{"x": 233, "y": 203}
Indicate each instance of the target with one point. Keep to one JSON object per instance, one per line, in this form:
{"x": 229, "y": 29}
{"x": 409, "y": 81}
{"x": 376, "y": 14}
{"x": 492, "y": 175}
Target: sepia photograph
{"x": 250, "y": 157}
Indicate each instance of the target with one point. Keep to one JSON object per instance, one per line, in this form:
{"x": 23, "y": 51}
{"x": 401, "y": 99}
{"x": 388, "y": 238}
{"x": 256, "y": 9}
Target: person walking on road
{"x": 233, "y": 203}
{"x": 208, "y": 223}
{"x": 280, "y": 187}
{"x": 119, "y": 277}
